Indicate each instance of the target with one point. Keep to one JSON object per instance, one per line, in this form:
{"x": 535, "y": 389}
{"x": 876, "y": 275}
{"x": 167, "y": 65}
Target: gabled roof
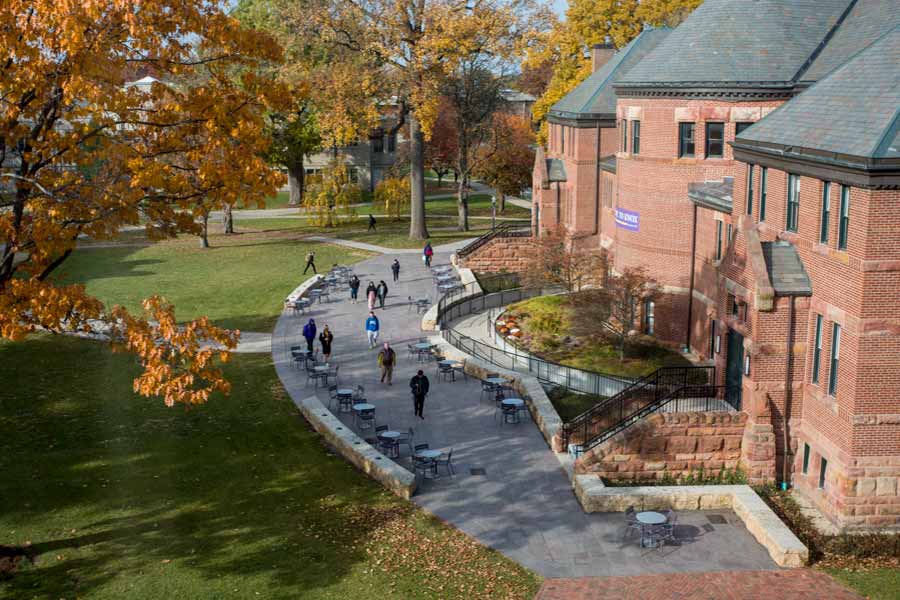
{"x": 850, "y": 117}
{"x": 511, "y": 95}
{"x": 739, "y": 43}
{"x": 594, "y": 98}
{"x": 716, "y": 195}
{"x": 785, "y": 269}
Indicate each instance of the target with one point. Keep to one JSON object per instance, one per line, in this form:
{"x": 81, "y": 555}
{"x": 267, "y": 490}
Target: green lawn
{"x": 569, "y": 405}
{"x": 388, "y": 233}
{"x": 117, "y": 496}
{"x": 240, "y": 282}
{"x": 876, "y": 584}
{"x": 545, "y": 323}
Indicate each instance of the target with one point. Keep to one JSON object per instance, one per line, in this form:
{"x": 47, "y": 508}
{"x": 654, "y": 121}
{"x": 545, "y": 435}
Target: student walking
{"x": 419, "y": 386}
{"x": 325, "y": 338}
{"x": 372, "y": 326}
{"x": 309, "y": 332}
{"x": 371, "y": 223}
{"x": 354, "y": 289}
{"x": 387, "y": 358}
{"x": 371, "y": 294}
{"x": 310, "y": 262}
{"x": 381, "y": 291}
{"x": 428, "y": 252}
{"x": 395, "y": 269}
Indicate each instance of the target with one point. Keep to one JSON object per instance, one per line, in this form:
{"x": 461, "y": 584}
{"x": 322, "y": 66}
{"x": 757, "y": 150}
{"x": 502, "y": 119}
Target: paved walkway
{"x": 510, "y": 491}
{"x": 794, "y": 584}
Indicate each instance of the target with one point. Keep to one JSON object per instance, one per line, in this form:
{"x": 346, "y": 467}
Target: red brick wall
{"x": 500, "y": 255}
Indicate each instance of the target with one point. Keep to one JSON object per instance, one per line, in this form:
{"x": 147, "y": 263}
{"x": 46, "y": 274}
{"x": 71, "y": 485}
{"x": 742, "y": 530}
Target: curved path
{"x": 521, "y": 503}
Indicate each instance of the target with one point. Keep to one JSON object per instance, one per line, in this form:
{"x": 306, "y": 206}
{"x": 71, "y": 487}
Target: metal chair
{"x": 631, "y": 522}
{"x": 444, "y": 370}
{"x": 407, "y": 438}
{"x": 366, "y": 418}
{"x": 332, "y": 394}
{"x": 421, "y": 463}
{"x": 360, "y": 394}
{"x": 445, "y": 462}
{"x": 332, "y": 372}
{"x": 411, "y": 351}
{"x": 669, "y": 526}
{"x": 510, "y": 414}
{"x": 312, "y": 374}
{"x": 461, "y": 367}
{"x": 487, "y": 388}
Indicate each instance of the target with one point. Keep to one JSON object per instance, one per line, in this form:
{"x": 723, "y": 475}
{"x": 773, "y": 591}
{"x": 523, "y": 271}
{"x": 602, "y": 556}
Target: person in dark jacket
{"x": 354, "y": 289}
{"x": 381, "y": 291}
{"x": 310, "y": 262}
{"x": 309, "y": 332}
{"x": 428, "y": 253}
{"x": 325, "y": 338}
{"x": 371, "y": 223}
{"x": 395, "y": 269}
{"x": 419, "y": 386}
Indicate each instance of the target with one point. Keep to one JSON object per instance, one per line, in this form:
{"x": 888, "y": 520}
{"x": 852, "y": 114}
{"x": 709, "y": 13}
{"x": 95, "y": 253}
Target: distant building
{"x": 518, "y": 103}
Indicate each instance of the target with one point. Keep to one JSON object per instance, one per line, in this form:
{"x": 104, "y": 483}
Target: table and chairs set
{"x": 337, "y": 277}
{"x": 507, "y": 404}
{"x": 655, "y": 527}
{"x": 445, "y": 279}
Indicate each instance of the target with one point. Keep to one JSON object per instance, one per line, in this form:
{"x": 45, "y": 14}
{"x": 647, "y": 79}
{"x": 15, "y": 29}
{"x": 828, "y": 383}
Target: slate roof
{"x": 511, "y": 95}
{"x": 740, "y": 42}
{"x": 785, "y": 269}
{"x": 717, "y": 195}
{"x": 595, "y": 98}
{"x": 853, "y": 112}
{"x": 556, "y": 170}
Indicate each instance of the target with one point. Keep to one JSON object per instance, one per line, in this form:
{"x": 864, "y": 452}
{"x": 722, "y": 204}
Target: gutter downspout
{"x": 788, "y": 393}
{"x": 558, "y": 207}
{"x": 687, "y": 341}
{"x": 597, "y": 188}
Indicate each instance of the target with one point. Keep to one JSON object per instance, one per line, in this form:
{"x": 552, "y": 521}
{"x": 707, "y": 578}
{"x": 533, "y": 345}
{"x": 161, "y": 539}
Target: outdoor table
{"x": 429, "y": 454}
{"x": 517, "y": 402}
{"x": 495, "y": 380}
{"x": 392, "y": 436}
{"x": 363, "y": 406}
{"x": 423, "y": 348}
{"x": 344, "y": 392}
{"x": 315, "y": 294}
{"x": 649, "y": 518}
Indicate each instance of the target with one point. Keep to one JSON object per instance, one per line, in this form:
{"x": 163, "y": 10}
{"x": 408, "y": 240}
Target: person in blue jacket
{"x": 372, "y": 326}
{"x": 309, "y": 332}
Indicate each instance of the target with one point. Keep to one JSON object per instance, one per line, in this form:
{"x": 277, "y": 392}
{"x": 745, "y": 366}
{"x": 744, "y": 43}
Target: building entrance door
{"x": 734, "y": 368}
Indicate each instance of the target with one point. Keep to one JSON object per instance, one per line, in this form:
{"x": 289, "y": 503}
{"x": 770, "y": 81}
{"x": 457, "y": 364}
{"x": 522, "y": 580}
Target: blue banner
{"x": 628, "y": 219}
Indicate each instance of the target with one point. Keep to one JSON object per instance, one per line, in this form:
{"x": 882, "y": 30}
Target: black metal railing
{"x": 506, "y": 230}
{"x": 644, "y": 396}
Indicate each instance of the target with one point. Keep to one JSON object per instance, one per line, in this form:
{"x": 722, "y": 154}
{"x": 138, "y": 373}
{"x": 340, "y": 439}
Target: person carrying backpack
{"x": 419, "y": 386}
{"x": 381, "y": 291}
{"x": 428, "y": 252}
{"x": 372, "y": 326}
{"x": 309, "y": 332}
{"x": 387, "y": 358}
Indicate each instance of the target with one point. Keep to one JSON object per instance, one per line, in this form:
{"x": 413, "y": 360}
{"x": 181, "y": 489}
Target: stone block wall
{"x": 510, "y": 255}
{"x": 671, "y": 444}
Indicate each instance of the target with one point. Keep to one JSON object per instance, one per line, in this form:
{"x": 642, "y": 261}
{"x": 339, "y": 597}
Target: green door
{"x": 734, "y": 368}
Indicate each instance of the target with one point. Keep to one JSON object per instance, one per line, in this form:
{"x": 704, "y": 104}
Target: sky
{"x": 559, "y": 7}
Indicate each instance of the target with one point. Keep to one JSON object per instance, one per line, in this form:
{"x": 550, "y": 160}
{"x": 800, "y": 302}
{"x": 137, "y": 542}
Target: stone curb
{"x": 304, "y": 287}
{"x": 783, "y": 546}
{"x": 352, "y": 447}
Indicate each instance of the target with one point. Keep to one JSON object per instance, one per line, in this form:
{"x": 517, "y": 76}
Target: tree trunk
{"x": 227, "y": 219}
{"x": 204, "y": 230}
{"x": 462, "y": 204}
{"x": 417, "y": 227}
{"x": 501, "y": 206}
{"x": 440, "y": 175}
{"x": 296, "y": 182}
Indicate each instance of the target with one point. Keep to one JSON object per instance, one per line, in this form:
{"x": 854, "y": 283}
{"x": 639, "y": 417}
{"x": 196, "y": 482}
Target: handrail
{"x": 505, "y": 230}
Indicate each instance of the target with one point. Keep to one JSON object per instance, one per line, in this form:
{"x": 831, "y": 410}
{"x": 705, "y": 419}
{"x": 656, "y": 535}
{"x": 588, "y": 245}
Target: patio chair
{"x": 487, "y": 388}
{"x": 411, "y": 351}
{"x": 407, "y": 438}
{"x": 445, "y": 462}
{"x": 444, "y": 370}
{"x": 360, "y": 394}
{"x": 461, "y": 368}
{"x": 332, "y": 394}
{"x": 631, "y": 522}
{"x": 312, "y": 374}
{"x": 669, "y": 526}
{"x": 332, "y": 372}
{"x": 524, "y": 409}
{"x": 421, "y": 463}
{"x": 510, "y": 414}
{"x": 366, "y": 418}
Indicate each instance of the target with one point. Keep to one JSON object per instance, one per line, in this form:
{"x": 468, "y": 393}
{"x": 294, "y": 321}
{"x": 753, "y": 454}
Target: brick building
{"x": 750, "y": 160}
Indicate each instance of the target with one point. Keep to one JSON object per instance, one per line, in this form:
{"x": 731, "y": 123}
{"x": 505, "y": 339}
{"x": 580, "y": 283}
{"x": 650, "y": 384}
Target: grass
{"x": 117, "y": 496}
{"x": 240, "y": 282}
{"x": 545, "y": 324}
{"x": 569, "y": 404}
{"x": 876, "y": 584}
{"x": 388, "y": 233}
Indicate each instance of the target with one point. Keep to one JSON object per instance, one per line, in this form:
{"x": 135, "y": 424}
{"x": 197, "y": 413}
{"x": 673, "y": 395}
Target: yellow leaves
{"x": 392, "y": 195}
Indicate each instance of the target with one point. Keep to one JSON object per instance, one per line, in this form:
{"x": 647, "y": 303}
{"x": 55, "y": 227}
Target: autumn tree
{"x": 81, "y": 153}
{"x": 612, "y": 308}
{"x": 441, "y": 149}
{"x": 333, "y": 195}
{"x": 295, "y": 135}
{"x": 473, "y": 92}
{"x": 556, "y": 262}
{"x": 566, "y": 45}
{"x": 508, "y": 157}
{"x": 412, "y": 45}
{"x": 535, "y": 77}
{"x": 392, "y": 195}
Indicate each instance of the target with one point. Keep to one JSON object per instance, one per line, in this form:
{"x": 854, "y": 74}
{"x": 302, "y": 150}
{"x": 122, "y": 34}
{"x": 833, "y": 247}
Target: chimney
{"x": 600, "y": 55}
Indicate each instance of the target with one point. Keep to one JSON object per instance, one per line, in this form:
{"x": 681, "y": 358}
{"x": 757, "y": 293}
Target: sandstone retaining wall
{"x": 509, "y": 255}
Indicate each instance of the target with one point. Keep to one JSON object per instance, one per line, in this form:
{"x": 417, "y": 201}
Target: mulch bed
{"x": 10, "y": 559}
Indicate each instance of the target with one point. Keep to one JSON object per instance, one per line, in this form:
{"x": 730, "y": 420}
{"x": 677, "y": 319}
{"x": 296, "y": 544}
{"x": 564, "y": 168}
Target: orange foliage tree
{"x": 81, "y": 153}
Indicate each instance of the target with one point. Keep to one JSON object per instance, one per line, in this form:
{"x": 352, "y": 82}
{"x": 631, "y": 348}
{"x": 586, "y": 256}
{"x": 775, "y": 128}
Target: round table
{"x": 649, "y": 517}
{"x": 423, "y": 346}
{"x": 345, "y": 392}
{"x": 517, "y": 402}
{"x": 446, "y": 363}
{"x": 496, "y": 380}
{"x": 363, "y": 406}
{"x": 320, "y": 368}
{"x": 432, "y": 454}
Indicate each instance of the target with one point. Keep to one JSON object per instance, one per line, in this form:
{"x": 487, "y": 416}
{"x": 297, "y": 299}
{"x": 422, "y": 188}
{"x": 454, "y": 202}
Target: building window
{"x": 750, "y": 190}
{"x": 392, "y": 143}
{"x": 793, "y": 202}
{"x": 805, "y": 458}
{"x": 733, "y": 305}
{"x": 823, "y": 467}
{"x": 624, "y": 135}
{"x": 826, "y": 212}
{"x": 741, "y": 126}
{"x": 378, "y": 144}
{"x": 844, "y": 225}
{"x": 817, "y": 350}
{"x": 713, "y": 344}
{"x": 562, "y": 139}
{"x": 715, "y": 140}
{"x": 649, "y": 316}
{"x": 729, "y": 235}
{"x": 747, "y": 365}
{"x": 763, "y": 179}
{"x": 685, "y": 140}
{"x": 635, "y": 137}
{"x": 718, "y": 240}
{"x": 835, "y": 359}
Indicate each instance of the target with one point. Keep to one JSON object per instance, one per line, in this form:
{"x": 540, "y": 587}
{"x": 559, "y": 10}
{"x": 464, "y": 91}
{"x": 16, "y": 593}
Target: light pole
{"x": 493, "y": 212}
